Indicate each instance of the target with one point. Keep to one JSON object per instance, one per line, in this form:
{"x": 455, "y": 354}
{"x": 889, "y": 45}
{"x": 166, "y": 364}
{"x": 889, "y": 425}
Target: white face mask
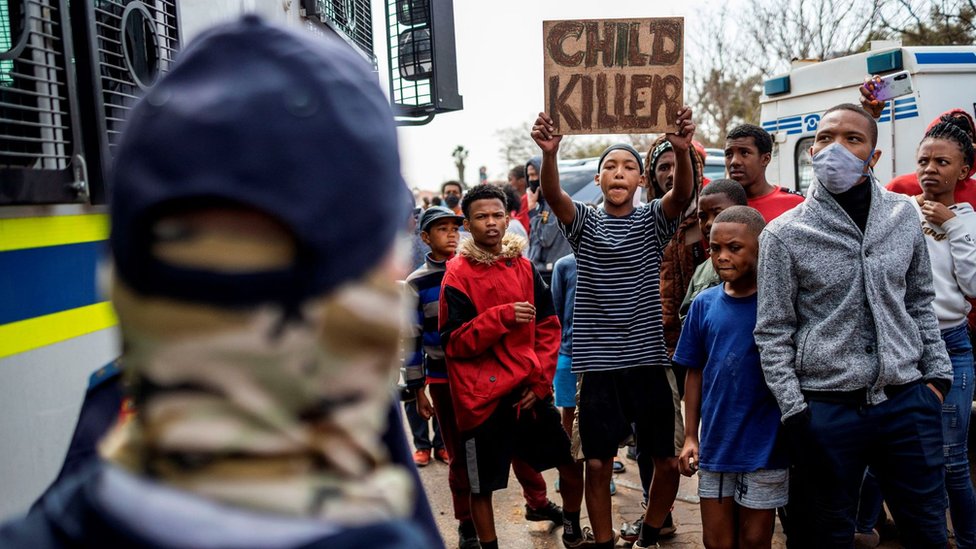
{"x": 838, "y": 169}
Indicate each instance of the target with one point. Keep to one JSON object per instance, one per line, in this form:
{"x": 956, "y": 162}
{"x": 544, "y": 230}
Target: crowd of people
{"x": 820, "y": 344}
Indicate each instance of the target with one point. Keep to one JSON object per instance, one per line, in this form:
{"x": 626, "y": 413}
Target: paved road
{"x": 516, "y": 533}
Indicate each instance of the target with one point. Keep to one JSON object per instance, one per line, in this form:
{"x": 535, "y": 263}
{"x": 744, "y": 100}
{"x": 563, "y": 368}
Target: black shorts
{"x": 535, "y": 436}
{"x": 641, "y": 401}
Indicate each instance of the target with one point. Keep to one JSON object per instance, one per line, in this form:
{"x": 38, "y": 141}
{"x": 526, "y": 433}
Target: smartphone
{"x": 892, "y": 86}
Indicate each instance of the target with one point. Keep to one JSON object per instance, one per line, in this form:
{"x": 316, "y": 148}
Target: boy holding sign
{"x": 618, "y": 341}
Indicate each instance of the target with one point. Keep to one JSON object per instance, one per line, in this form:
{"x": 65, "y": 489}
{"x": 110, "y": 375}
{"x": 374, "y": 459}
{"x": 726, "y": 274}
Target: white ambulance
{"x": 943, "y": 78}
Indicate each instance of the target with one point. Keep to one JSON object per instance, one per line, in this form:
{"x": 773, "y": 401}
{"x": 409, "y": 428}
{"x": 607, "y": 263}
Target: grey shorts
{"x": 762, "y": 489}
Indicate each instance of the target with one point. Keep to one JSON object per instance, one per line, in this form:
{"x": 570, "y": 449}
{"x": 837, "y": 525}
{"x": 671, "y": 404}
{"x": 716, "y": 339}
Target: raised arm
{"x": 868, "y": 101}
{"x": 677, "y": 199}
{"x": 548, "y": 141}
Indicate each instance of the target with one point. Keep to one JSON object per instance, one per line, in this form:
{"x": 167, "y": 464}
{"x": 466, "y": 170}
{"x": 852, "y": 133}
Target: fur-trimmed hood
{"x": 512, "y": 247}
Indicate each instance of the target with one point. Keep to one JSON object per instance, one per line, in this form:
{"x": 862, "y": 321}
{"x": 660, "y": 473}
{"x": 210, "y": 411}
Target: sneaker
{"x": 630, "y": 531}
{"x": 867, "y": 540}
{"x": 467, "y": 537}
{"x": 421, "y": 458}
{"x": 613, "y": 487}
{"x": 632, "y": 453}
{"x": 441, "y": 455}
{"x": 550, "y": 511}
{"x": 618, "y": 466}
{"x": 585, "y": 539}
{"x": 557, "y": 484}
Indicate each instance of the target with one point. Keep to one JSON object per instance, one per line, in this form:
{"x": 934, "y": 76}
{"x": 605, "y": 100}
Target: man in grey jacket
{"x": 850, "y": 345}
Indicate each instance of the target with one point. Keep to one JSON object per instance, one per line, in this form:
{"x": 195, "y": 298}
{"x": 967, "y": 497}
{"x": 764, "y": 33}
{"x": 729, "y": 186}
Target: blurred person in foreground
{"x": 261, "y": 323}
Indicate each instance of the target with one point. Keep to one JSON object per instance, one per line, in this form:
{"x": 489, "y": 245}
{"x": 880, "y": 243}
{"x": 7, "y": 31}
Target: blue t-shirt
{"x": 739, "y": 417}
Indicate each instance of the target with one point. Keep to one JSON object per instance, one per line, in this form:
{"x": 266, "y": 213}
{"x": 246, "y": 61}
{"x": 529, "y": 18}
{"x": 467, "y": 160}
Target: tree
{"x": 724, "y": 81}
{"x": 460, "y": 154}
{"x": 575, "y": 147}
{"x": 929, "y": 22}
{"x": 808, "y": 29}
{"x": 517, "y": 146}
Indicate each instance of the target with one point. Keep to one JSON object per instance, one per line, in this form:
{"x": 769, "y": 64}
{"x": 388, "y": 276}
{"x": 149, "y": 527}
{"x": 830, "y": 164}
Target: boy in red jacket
{"x": 501, "y": 337}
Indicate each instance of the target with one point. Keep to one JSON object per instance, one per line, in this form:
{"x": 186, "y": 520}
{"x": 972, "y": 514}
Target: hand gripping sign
{"x": 614, "y": 75}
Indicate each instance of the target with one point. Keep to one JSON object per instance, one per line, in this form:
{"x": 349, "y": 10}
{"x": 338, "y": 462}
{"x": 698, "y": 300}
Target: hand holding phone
{"x": 892, "y": 86}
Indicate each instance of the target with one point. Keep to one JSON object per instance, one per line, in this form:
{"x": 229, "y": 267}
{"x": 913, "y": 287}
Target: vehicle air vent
{"x": 39, "y": 128}
{"x": 351, "y": 19}
{"x": 123, "y": 45}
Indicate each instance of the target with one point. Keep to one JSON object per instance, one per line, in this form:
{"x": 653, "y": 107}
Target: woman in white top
{"x": 942, "y": 161}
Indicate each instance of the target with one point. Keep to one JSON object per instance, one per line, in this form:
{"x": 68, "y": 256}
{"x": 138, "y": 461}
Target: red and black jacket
{"x": 489, "y": 355}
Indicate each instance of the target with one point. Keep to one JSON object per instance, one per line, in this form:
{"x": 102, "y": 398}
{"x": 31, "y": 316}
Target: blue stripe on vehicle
{"x": 946, "y": 58}
{"x": 903, "y": 116}
{"x": 46, "y": 280}
{"x": 903, "y": 101}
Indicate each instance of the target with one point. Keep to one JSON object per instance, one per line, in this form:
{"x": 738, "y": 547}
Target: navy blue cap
{"x": 282, "y": 121}
{"x": 436, "y": 213}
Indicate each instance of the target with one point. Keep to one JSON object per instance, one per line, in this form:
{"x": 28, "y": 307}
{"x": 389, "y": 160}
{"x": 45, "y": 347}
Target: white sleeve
{"x": 961, "y": 231}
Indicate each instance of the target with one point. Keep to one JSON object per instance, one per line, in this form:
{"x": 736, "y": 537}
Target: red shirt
{"x": 772, "y": 204}
{"x": 908, "y": 184}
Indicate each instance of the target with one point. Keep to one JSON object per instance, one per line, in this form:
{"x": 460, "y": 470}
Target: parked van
{"x": 942, "y": 78}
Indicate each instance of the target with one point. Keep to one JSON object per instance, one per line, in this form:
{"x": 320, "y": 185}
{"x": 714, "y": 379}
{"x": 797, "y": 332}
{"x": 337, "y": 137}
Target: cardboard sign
{"x": 614, "y": 75}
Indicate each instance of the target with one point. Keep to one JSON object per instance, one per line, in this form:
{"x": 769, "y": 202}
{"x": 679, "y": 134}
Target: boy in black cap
{"x": 618, "y": 341}
{"x": 425, "y": 364}
{"x": 261, "y": 324}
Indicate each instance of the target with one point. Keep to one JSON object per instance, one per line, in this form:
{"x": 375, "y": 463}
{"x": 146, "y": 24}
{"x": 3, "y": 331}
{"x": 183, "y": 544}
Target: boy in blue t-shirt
{"x": 742, "y": 475}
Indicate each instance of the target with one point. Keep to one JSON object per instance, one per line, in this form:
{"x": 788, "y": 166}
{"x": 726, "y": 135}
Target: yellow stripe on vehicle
{"x": 34, "y": 333}
{"x": 37, "y": 232}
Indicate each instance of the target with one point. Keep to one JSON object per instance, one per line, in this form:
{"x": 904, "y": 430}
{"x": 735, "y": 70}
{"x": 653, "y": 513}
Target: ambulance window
{"x": 804, "y": 165}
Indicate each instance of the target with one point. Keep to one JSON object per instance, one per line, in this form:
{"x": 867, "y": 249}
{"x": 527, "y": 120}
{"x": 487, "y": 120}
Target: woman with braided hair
{"x": 944, "y": 159}
{"x": 943, "y": 162}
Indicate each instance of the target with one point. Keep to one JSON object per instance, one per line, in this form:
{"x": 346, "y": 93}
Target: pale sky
{"x": 499, "y": 51}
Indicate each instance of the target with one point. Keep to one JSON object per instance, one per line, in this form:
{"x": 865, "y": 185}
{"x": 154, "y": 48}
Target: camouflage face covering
{"x": 259, "y": 410}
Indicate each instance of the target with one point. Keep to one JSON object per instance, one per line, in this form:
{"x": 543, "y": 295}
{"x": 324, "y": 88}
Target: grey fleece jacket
{"x": 841, "y": 311}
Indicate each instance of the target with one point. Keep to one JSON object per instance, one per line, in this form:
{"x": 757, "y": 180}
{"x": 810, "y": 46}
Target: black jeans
{"x": 901, "y": 439}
